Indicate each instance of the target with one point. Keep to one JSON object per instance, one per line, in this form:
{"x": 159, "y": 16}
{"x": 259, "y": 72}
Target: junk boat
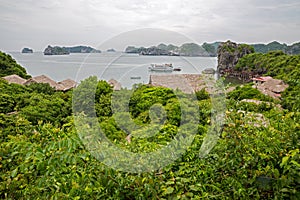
{"x": 161, "y": 67}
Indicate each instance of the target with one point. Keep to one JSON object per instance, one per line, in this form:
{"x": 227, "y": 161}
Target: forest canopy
{"x": 256, "y": 156}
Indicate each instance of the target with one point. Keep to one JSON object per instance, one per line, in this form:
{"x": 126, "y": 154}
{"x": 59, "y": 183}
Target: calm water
{"x": 118, "y": 66}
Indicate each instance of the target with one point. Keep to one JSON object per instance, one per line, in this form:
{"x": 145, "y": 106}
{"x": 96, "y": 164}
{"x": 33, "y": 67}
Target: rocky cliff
{"x": 229, "y": 54}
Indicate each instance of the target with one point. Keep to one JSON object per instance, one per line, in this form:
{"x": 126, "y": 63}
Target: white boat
{"x": 161, "y": 67}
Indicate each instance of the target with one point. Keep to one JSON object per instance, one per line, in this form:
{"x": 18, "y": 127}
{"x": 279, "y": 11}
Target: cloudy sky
{"x": 37, "y": 23}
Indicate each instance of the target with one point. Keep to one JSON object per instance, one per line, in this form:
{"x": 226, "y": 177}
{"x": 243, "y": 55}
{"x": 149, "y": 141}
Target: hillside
{"x": 293, "y": 49}
{"x": 279, "y": 65}
{"x": 149, "y": 144}
{"x": 9, "y": 66}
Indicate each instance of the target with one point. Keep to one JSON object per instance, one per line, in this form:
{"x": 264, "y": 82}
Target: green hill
{"x": 9, "y": 66}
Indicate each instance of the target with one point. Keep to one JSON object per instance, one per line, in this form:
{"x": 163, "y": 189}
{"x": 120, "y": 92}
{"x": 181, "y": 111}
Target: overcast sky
{"x": 37, "y": 23}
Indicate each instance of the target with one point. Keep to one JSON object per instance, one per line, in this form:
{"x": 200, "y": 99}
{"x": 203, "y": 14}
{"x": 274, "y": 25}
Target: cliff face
{"x": 229, "y": 54}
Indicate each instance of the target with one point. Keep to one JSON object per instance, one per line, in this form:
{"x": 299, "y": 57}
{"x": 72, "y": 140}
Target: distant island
{"x": 187, "y": 49}
{"x": 207, "y": 49}
{"x": 56, "y": 50}
{"x": 293, "y": 49}
{"x": 110, "y": 50}
{"x": 27, "y": 50}
{"x": 82, "y": 49}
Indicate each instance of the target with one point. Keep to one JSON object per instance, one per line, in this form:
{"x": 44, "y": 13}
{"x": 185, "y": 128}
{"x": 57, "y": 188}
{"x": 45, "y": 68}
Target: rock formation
{"x": 229, "y": 54}
{"x": 55, "y": 50}
{"x": 27, "y": 50}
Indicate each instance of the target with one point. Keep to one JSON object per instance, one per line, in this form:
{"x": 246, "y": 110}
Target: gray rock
{"x": 229, "y": 54}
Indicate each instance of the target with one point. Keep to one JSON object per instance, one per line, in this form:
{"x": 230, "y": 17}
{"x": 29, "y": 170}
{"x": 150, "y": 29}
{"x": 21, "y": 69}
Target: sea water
{"x": 115, "y": 65}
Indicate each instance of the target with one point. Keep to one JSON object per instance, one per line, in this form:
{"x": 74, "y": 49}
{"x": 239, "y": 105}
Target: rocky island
{"x": 208, "y": 49}
{"x": 56, "y": 50}
{"x": 27, "y": 50}
{"x": 187, "y": 49}
{"x": 110, "y": 50}
{"x": 82, "y": 49}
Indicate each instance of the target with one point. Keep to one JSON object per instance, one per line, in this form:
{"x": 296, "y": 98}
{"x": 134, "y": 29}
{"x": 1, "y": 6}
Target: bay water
{"x": 128, "y": 69}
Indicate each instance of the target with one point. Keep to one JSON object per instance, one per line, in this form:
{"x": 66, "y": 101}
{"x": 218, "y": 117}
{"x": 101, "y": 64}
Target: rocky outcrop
{"x": 27, "y": 50}
{"x": 55, "y": 51}
{"x": 110, "y": 50}
{"x": 229, "y": 54}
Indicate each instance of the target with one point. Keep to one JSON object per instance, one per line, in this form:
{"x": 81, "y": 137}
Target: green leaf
{"x": 14, "y": 173}
{"x": 169, "y": 190}
{"x": 284, "y": 160}
{"x": 295, "y": 163}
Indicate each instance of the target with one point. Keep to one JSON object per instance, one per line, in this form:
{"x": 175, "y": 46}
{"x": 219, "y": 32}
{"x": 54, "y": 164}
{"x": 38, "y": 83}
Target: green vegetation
{"x": 293, "y": 49}
{"x": 278, "y": 65}
{"x": 42, "y": 156}
{"x": 56, "y": 50}
{"x": 9, "y": 66}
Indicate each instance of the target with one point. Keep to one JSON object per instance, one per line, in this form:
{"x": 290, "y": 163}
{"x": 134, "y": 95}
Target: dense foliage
{"x": 9, "y": 66}
{"x": 278, "y": 65}
{"x": 42, "y": 157}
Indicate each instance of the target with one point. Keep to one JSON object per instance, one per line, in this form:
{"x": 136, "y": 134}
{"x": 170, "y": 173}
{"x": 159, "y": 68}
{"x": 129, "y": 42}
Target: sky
{"x": 118, "y": 23}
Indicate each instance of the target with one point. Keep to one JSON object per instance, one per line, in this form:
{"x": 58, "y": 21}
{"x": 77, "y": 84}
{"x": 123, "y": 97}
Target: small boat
{"x": 161, "y": 67}
{"x": 178, "y": 69}
{"x": 135, "y": 77}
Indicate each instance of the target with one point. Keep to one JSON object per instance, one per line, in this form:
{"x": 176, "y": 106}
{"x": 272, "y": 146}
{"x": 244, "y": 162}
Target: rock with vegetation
{"x": 192, "y": 49}
{"x": 272, "y": 46}
{"x": 293, "y": 49}
{"x": 82, "y": 49}
{"x": 27, "y": 50}
{"x": 211, "y": 49}
{"x": 111, "y": 50}
{"x": 187, "y": 49}
{"x": 56, "y": 50}
{"x": 229, "y": 54}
